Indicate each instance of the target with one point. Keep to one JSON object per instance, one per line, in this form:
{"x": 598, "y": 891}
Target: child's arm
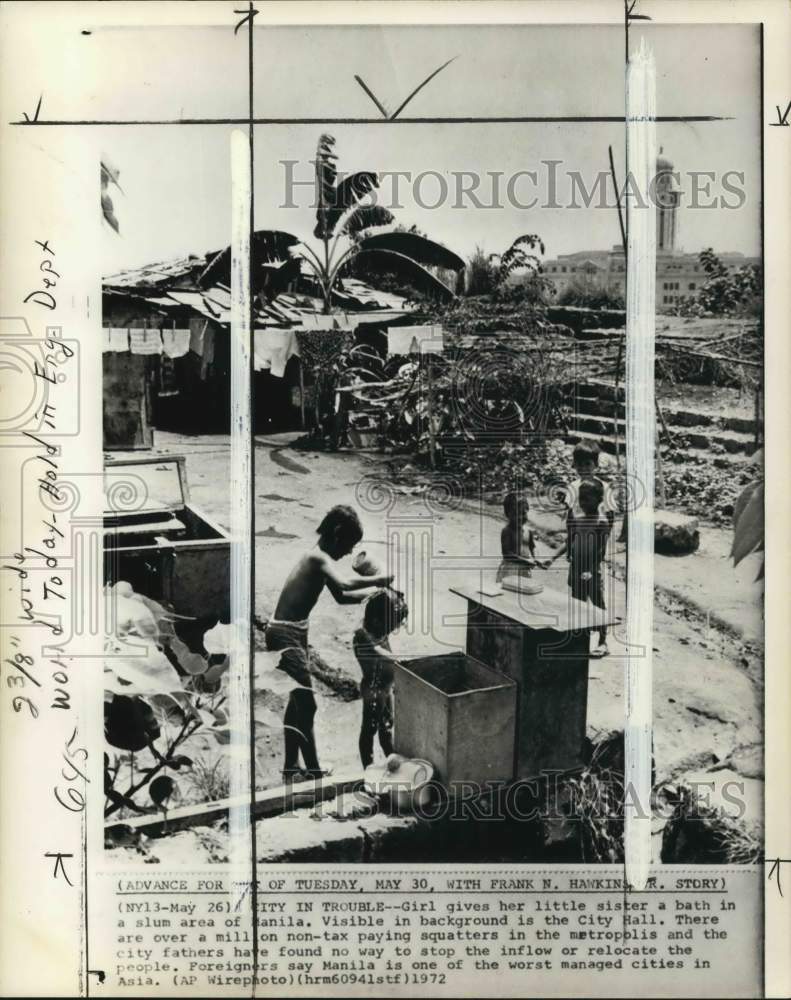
{"x": 355, "y": 596}
{"x": 564, "y": 548}
{"x": 531, "y": 544}
{"x": 351, "y": 589}
{"x": 556, "y": 555}
{"x": 385, "y": 653}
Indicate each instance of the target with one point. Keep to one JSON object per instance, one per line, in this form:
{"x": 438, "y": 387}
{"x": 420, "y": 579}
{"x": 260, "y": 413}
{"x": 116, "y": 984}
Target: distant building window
{"x": 563, "y": 269}
{"x": 692, "y": 286}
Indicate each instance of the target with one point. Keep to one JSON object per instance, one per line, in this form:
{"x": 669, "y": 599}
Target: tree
{"x": 518, "y": 257}
{"x": 728, "y": 292}
{"x": 492, "y": 274}
{"x": 481, "y": 277}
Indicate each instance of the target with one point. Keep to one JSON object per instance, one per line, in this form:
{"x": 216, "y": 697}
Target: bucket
{"x": 365, "y": 565}
{"x": 406, "y": 782}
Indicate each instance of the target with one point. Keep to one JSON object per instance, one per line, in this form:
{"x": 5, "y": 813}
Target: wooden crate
{"x": 457, "y": 714}
{"x": 163, "y": 545}
{"x": 542, "y": 642}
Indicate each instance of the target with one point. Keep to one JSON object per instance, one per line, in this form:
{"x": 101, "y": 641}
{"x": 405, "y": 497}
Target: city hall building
{"x": 679, "y": 275}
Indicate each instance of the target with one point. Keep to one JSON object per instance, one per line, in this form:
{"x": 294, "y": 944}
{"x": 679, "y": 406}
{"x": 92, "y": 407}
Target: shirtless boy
{"x": 338, "y": 533}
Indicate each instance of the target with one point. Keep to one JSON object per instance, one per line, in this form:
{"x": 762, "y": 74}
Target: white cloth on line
{"x": 176, "y": 343}
{"x": 145, "y": 341}
{"x": 272, "y": 350}
{"x": 208, "y": 352}
{"x": 118, "y": 339}
{"x": 196, "y": 337}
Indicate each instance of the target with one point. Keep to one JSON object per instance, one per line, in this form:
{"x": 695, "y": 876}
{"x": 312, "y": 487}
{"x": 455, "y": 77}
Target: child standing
{"x": 586, "y": 464}
{"x": 338, "y": 533}
{"x": 587, "y": 534}
{"x": 384, "y": 613}
{"x": 514, "y": 540}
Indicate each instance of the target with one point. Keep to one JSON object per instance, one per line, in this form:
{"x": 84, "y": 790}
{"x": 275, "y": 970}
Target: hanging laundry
{"x": 272, "y": 350}
{"x": 107, "y": 344}
{"x": 176, "y": 343}
{"x": 119, "y": 339}
{"x": 197, "y": 329}
{"x": 145, "y": 341}
{"x": 208, "y": 352}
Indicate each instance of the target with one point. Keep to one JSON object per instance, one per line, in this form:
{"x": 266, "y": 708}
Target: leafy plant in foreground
{"x": 158, "y": 695}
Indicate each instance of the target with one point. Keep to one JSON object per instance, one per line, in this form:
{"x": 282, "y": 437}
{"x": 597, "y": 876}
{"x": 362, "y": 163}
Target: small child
{"x": 384, "y": 613}
{"x": 586, "y": 464}
{"x": 514, "y": 541}
{"x": 587, "y": 533}
{"x": 339, "y": 532}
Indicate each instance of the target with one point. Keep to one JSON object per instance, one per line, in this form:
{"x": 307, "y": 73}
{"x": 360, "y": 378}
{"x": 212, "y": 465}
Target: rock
{"x": 717, "y": 819}
{"x": 747, "y": 760}
{"x": 675, "y": 534}
{"x": 700, "y": 761}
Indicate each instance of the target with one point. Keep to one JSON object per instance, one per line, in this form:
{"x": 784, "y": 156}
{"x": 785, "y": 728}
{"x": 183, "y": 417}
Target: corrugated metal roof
{"x": 174, "y": 283}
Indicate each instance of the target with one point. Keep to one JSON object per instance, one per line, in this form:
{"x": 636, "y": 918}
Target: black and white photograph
{"x": 442, "y": 493}
{"x": 393, "y": 408}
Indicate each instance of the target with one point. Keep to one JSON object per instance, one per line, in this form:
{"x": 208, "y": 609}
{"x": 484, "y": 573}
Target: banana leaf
{"x": 346, "y": 195}
{"x": 326, "y": 173}
{"x": 748, "y": 534}
{"x": 419, "y": 248}
{"x": 269, "y": 246}
{"x": 407, "y": 269}
{"x": 367, "y": 217}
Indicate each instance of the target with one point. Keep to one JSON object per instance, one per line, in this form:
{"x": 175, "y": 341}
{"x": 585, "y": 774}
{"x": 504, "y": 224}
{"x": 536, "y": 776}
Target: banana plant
{"x": 341, "y": 214}
{"x": 344, "y": 220}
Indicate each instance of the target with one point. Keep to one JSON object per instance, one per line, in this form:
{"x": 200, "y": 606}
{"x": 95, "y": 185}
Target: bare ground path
{"x": 707, "y": 692}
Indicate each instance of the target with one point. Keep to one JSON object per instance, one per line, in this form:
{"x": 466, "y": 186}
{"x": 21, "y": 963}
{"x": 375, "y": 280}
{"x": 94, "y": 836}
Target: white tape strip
{"x": 640, "y": 428}
{"x": 241, "y": 505}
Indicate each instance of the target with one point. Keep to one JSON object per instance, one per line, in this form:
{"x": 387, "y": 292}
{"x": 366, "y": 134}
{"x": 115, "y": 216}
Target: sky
{"x": 175, "y": 180}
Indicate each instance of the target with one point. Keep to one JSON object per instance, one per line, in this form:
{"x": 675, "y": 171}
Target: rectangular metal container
{"x": 542, "y": 643}
{"x": 164, "y": 546}
{"x": 457, "y": 714}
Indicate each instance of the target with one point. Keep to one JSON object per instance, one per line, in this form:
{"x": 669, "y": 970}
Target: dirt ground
{"x": 707, "y": 620}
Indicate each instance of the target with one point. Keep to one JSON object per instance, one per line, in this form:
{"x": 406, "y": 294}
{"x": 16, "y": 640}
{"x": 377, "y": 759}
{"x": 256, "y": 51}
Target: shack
{"x": 166, "y": 345}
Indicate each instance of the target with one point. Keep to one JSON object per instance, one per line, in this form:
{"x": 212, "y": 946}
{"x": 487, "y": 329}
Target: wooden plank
{"x": 270, "y": 802}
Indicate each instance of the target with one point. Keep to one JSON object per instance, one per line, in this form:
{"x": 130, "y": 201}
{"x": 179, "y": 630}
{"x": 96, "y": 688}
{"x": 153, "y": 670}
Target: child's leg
{"x": 367, "y": 730}
{"x": 292, "y": 730}
{"x": 597, "y": 599}
{"x": 386, "y": 722}
{"x": 307, "y": 710}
